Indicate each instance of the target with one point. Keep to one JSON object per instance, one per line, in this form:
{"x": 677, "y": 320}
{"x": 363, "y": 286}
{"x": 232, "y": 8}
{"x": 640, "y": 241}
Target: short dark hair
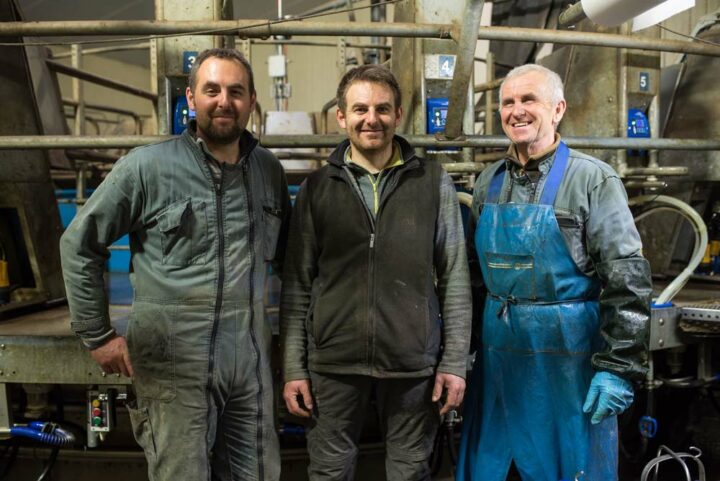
{"x": 223, "y": 53}
{"x": 368, "y": 73}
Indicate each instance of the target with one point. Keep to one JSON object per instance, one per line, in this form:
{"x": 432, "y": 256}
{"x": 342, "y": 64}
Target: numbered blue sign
{"x": 446, "y": 66}
{"x": 188, "y": 60}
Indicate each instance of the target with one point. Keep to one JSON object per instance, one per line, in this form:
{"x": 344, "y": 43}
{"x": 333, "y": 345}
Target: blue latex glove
{"x": 609, "y": 395}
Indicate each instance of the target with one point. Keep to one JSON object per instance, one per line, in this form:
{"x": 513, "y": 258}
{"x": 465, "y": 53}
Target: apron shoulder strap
{"x": 493, "y": 193}
{"x": 555, "y": 176}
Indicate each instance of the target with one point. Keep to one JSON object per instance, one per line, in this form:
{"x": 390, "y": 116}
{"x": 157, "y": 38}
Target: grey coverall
{"x": 198, "y": 340}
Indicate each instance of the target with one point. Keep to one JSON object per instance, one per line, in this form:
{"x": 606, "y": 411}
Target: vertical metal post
{"x": 80, "y": 185}
{"x": 622, "y": 93}
{"x": 704, "y": 354}
{"x": 489, "y": 111}
{"x": 654, "y": 114}
{"x": 463, "y": 68}
{"x": 5, "y": 412}
{"x": 78, "y": 94}
{"x": 341, "y": 56}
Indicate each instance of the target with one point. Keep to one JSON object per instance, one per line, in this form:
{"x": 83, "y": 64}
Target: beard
{"x": 223, "y": 134}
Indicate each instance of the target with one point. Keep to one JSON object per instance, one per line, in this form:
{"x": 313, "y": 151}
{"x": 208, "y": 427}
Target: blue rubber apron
{"x": 540, "y": 327}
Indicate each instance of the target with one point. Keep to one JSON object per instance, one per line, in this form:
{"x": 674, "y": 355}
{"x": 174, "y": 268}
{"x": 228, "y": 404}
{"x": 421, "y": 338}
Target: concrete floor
{"x": 123, "y": 466}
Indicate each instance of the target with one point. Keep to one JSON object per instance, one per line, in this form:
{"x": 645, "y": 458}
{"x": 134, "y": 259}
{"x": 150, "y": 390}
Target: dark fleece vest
{"x": 375, "y": 309}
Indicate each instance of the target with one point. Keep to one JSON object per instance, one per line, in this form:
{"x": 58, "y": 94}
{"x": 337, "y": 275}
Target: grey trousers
{"x": 197, "y": 423}
{"x": 407, "y": 417}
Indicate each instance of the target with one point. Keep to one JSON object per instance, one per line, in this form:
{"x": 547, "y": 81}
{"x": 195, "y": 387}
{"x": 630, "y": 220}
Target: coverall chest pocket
{"x": 272, "y": 220}
{"x": 183, "y": 229}
{"x": 511, "y": 275}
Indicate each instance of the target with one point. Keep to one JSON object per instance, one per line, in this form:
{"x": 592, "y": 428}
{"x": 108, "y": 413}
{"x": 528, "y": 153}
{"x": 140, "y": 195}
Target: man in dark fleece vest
{"x": 376, "y": 298}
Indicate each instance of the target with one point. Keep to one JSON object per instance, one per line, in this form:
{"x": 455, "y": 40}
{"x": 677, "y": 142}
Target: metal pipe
{"x": 490, "y": 84}
{"x": 323, "y": 115}
{"x": 91, "y": 156}
{"x": 663, "y": 171}
{"x": 489, "y": 118}
{"x": 646, "y": 184}
{"x": 32, "y": 142}
{"x": 265, "y": 28}
{"x": 463, "y": 69}
{"x": 99, "y": 80}
{"x": 572, "y": 15}
{"x": 622, "y": 94}
{"x": 114, "y": 48}
{"x": 114, "y": 110}
{"x": 77, "y": 89}
{"x": 464, "y": 167}
{"x": 308, "y": 43}
{"x": 654, "y": 114}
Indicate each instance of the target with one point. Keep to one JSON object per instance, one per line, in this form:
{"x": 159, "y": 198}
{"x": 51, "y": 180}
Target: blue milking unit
{"x": 638, "y": 127}
{"x": 436, "y": 114}
{"x": 181, "y": 115}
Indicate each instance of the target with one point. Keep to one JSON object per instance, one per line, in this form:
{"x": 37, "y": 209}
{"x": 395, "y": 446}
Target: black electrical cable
{"x": 11, "y": 458}
{"x": 450, "y": 433}
{"x": 44, "y": 476}
{"x": 712, "y": 398}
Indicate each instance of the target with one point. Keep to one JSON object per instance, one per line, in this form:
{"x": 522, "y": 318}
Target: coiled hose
{"x": 44, "y": 432}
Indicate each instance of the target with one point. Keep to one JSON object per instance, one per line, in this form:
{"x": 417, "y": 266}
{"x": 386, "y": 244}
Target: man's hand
{"x": 455, "y": 387}
{"x": 114, "y": 357}
{"x": 296, "y": 392}
{"x": 609, "y": 395}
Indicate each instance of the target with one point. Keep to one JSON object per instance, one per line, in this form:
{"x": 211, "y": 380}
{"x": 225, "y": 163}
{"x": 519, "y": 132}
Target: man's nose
{"x": 223, "y": 98}
{"x": 371, "y": 117}
{"x": 518, "y": 110}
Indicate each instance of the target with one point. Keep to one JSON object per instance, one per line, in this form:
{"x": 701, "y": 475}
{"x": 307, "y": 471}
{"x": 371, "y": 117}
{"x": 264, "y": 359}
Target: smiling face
{"x": 529, "y": 116}
{"x": 370, "y": 119}
{"x": 222, "y": 100}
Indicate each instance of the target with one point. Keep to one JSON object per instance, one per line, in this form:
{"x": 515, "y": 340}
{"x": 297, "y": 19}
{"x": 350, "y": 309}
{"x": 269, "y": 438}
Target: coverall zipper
{"x": 251, "y": 293}
{"x": 221, "y": 282}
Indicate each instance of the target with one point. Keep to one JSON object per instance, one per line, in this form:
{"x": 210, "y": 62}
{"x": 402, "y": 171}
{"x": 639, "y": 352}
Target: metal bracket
{"x": 664, "y": 331}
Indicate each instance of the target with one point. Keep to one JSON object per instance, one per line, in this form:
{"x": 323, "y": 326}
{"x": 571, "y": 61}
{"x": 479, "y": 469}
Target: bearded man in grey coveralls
{"x": 204, "y": 212}
{"x": 376, "y": 298}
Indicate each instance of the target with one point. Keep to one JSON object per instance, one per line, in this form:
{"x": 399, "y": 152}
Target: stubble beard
{"x": 220, "y": 135}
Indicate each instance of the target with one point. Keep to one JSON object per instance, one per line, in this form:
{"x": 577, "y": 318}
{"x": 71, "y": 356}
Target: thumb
{"x": 307, "y": 397}
{"x": 437, "y": 389}
{"x": 592, "y": 396}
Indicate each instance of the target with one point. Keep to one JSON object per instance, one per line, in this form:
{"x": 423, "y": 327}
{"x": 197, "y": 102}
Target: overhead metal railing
{"x": 311, "y": 43}
{"x": 99, "y": 80}
{"x": 99, "y": 50}
{"x": 34, "y": 142}
{"x": 264, "y": 29}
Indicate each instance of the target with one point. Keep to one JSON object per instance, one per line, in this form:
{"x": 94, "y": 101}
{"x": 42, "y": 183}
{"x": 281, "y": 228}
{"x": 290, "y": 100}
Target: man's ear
{"x": 398, "y": 116}
{"x": 340, "y": 116}
{"x": 190, "y": 98}
{"x": 559, "y": 112}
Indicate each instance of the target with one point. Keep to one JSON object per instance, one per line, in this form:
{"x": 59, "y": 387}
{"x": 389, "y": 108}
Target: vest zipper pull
{"x": 372, "y": 240}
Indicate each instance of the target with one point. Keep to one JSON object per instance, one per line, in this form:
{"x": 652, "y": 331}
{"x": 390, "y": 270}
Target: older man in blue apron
{"x": 567, "y": 296}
